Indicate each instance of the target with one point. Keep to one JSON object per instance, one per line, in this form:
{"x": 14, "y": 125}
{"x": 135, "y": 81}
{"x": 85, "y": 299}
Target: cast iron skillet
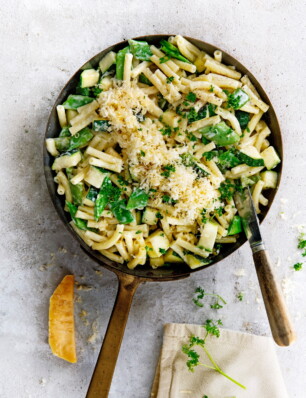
{"x": 130, "y": 279}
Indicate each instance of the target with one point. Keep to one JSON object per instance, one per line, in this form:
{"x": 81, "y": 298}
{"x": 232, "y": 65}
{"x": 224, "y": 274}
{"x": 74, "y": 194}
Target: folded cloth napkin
{"x": 249, "y": 359}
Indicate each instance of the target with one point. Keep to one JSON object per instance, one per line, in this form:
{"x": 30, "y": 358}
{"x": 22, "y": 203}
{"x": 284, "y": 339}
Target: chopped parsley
{"x": 211, "y": 88}
{"x": 298, "y": 266}
{"x": 142, "y": 153}
{"x": 166, "y": 131}
{"x": 191, "y": 97}
{"x": 302, "y": 244}
{"x": 169, "y": 168}
{"x": 210, "y": 155}
{"x": 227, "y": 189}
{"x": 219, "y": 211}
{"x": 204, "y": 216}
{"x": 138, "y": 232}
{"x": 168, "y": 199}
{"x": 240, "y": 296}
{"x": 162, "y": 251}
{"x": 122, "y": 181}
{"x": 191, "y": 136}
{"x": 170, "y": 79}
{"x": 159, "y": 215}
{"x": 200, "y": 294}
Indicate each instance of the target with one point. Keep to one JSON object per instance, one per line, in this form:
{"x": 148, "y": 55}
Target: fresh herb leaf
{"x": 298, "y": 266}
{"x": 240, "y": 296}
{"x": 227, "y": 189}
{"x": 211, "y": 88}
{"x": 302, "y": 244}
{"x": 212, "y": 328}
{"x": 159, "y": 216}
{"x": 200, "y": 294}
{"x": 81, "y": 224}
{"x": 168, "y": 199}
{"x": 162, "y": 251}
{"x": 169, "y": 79}
{"x": 143, "y": 79}
{"x": 142, "y": 153}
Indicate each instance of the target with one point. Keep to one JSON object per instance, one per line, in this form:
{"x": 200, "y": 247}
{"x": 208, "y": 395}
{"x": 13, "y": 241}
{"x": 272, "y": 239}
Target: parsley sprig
{"x": 212, "y": 328}
{"x": 200, "y": 294}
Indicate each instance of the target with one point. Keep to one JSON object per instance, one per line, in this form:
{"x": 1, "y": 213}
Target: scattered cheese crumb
{"x": 239, "y": 272}
{"x": 42, "y": 381}
{"x": 92, "y": 339}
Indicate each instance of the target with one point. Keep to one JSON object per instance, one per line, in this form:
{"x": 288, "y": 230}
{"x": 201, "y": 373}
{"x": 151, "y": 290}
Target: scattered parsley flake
{"x": 240, "y": 296}
{"x": 167, "y": 169}
{"x": 162, "y": 251}
{"x": 159, "y": 216}
{"x": 211, "y": 88}
{"x": 191, "y": 97}
{"x": 138, "y": 232}
{"x": 170, "y": 79}
{"x": 142, "y": 153}
{"x": 298, "y": 266}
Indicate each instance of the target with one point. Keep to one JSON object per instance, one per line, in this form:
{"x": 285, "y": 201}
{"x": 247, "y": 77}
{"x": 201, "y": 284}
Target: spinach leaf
{"x": 243, "y": 118}
{"x": 120, "y": 62}
{"x": 143, "y": 79}
{"x": 120, "y": 211}
{"x": 172, "y": 51}
{"x": 80, "y": 139}
{"x": 220, "y": 133}
{"x": 138, "y": 199}
{"x": 237, "y": 99}
{"x": 140, "y": 49}
{"x": 76, "y": 101}
{"x": 81, "y": 224}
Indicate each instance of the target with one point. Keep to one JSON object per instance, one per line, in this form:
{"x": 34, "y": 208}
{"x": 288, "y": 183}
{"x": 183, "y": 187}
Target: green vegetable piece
{"x": 82, "y": 90}
{"x": 120, "y": 62}
{"x": 235, "y": 226}
{"x": 62, "y": 143}
{"x": 250, "y": 161}
{"x": 92, "y": 194}
{"x": 65, "y": 132}
{"x": 172, "y": 51}
{"x": 101, "y": 125}
{"x": 138, "y": 199}
{"x": 81, "y": 224}
{"x": 162, "y": 102}
{"x": 107, "y": 194}
{"x": 140, "y": 49}
{"x": 119, "y": 210}
{"x": 228, "y": 159}
{"x": 77, "y": 190}
{"x": 220, "y": 133}
{"x": 237, "y": 99}
{"x": 80, "y": 139}
{"x": 143, "y": 79}
{"x": 76, "y": 101}
{"x": 243, "y": 119}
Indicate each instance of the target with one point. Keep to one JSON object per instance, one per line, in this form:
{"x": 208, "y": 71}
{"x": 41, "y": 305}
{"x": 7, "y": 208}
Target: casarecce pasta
{"x": 154, "y": 142}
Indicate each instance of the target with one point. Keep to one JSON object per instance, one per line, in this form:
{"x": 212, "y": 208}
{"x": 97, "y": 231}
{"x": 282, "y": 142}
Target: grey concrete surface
{"x": 42, "y": 44}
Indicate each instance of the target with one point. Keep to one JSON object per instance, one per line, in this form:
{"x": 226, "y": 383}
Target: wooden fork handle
{"x": 280, "y": 322}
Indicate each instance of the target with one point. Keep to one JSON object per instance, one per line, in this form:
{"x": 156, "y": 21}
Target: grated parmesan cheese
{"x": 120, "y": 104}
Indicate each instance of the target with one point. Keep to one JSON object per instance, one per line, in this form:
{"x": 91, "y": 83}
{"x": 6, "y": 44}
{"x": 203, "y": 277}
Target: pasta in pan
{"x": 152, "y": 147}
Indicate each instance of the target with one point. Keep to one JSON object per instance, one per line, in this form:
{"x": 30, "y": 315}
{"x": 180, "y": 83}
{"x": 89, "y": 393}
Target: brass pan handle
{"x": 102, "y": 377}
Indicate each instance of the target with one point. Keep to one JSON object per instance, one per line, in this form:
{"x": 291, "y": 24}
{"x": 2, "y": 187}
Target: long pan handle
{"x": 102, "y": 377}
{"x": 280, "y": 323}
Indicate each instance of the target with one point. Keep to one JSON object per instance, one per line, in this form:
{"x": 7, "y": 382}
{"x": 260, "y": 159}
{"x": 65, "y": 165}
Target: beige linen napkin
{"x": 249, "y": 359}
